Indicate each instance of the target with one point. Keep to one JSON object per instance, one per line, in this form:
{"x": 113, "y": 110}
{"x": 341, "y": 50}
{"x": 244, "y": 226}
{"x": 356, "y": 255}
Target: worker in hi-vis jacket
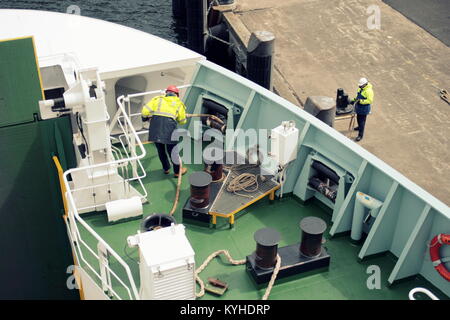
{"x": 363, "y": 102}
{"x": 166, "y": 111}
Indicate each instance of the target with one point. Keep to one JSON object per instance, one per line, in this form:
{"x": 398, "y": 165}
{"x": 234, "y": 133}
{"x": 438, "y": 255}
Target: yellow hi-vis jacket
{"x": 365, "y": 97}
{"x": 166, "y": 106}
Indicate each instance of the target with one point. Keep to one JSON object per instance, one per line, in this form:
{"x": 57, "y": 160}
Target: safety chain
{"x": 215, "y": 2}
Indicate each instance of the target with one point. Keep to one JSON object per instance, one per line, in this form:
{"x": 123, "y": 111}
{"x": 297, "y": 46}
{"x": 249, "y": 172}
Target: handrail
{"x": 135, "y": 95}
{"x": 424, "y": 291}
{"x": 129, "y": 131}
{"x": 106, "y": 266}
{"x": 73, "y": 205}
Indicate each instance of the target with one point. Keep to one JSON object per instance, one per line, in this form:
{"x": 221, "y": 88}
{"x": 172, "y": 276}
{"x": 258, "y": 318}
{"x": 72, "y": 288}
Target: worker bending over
{"x": 165, "y": 112}
{"x": 363, "y": 102}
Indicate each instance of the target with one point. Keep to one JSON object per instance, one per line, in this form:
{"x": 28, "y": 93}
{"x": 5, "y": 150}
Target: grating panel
{"x": 227, "y": 202}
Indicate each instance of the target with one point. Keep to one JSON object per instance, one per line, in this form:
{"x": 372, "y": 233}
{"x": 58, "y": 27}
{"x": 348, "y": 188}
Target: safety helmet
{"x": 173, "y": 89}
{"x": 362, "y": 82}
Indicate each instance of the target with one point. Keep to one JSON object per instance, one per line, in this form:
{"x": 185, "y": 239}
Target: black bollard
{"x": 312, "y": 232}
{"x": 266, "y": 247}
{"x": 196, "y": 25}
{"x": 200, "y": 189}
{"x": 260, "y": 58}
{"x": 323, "y": 108}
{"x": 157, "y": 221}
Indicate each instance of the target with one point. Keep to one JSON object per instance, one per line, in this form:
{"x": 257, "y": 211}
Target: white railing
{"x": 74, "y": 219}
{"x": 80, "y": 257}
{"x": 80, "y": 245}
{"x": 136, "y": 95}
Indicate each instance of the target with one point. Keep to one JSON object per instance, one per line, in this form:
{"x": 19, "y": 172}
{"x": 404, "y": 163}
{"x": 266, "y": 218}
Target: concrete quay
{"x": 322, "y": 45}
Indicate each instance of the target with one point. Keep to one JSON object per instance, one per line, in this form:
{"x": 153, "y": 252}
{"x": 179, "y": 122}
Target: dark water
{"x": 152, "y": 16}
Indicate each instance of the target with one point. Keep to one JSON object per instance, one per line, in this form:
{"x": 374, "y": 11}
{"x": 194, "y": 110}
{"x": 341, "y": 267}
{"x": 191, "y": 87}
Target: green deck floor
{"x": 346, "y": 278}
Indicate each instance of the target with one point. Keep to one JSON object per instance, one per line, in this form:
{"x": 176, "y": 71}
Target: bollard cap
{"x": 200, "y": 179}
{"x": 313, "y": 225}
{"x": 267, "y": 237}
{"x": 261, "y": 43}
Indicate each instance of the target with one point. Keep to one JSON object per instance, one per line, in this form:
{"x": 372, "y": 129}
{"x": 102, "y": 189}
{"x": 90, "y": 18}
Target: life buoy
{"x": 435, "y": 245}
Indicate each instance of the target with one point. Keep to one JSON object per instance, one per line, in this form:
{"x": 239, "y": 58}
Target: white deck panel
{"x": 108, "y": 46}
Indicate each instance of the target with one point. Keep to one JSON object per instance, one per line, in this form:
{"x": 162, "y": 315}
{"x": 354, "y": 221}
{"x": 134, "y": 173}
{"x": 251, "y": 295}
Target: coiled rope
{"x": 247, "y": 182}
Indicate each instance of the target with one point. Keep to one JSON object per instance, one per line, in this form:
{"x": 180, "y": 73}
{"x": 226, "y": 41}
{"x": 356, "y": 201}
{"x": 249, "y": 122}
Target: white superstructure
{"x": 91, "y": 65}
{"x": 128, "y": 60}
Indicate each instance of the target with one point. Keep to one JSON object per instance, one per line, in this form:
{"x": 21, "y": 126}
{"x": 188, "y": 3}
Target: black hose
{"x": 80, "y": 127}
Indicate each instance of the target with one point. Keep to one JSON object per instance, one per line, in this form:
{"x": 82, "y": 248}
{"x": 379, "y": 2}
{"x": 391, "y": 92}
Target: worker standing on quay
{"x": 165, "y": 112}
{"x": 363, "y": 102}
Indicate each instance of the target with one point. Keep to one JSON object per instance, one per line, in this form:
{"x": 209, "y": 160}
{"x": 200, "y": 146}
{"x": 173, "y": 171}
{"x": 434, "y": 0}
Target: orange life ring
{"x": 435, "y": 245}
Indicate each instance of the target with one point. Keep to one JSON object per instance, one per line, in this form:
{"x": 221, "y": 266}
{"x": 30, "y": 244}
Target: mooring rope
{"x": 177, "y": 194}
{"x": 205, "y": 264}
{"x": 247, "y": 182}
{"x": 272, "y": 279}
{"x": 236, "y": 263}
{"x": 201, "y": 115}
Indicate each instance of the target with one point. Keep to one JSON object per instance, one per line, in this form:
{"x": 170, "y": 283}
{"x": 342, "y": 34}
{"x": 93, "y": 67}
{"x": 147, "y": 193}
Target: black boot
{"x": 358, "y": 138}
{"x": 356, "y": 129}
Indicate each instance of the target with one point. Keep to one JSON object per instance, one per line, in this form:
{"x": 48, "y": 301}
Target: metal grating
{"x": 228, "y": 202}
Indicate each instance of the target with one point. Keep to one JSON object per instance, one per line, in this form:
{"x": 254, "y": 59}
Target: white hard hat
{"x": 362, "y": 82}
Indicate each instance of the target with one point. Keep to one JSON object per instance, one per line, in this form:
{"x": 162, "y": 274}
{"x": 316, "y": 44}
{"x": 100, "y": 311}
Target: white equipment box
{"x": 167, "y": 265}
{"x": 284, "y": 143}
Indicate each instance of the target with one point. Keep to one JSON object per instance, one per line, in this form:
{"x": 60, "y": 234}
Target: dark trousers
{"x": 165, "y": 152}
{"x": 361, "y": 118}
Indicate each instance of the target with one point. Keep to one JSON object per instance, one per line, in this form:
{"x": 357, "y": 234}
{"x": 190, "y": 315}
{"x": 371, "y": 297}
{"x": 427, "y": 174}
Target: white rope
{"x": 205, "y": 264}
{"x": 247, "y": 182}
{"x": 202, "y": 267}
{"x": 272, "y": 279}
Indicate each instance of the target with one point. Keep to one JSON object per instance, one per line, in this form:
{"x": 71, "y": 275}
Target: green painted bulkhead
{"x": 34, "y": 248}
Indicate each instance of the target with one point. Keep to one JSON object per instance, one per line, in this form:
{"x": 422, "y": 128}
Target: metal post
{"x": 259, "y": 58}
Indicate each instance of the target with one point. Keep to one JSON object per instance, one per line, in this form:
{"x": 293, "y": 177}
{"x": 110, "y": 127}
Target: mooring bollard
{"x": 259, "y": 58}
